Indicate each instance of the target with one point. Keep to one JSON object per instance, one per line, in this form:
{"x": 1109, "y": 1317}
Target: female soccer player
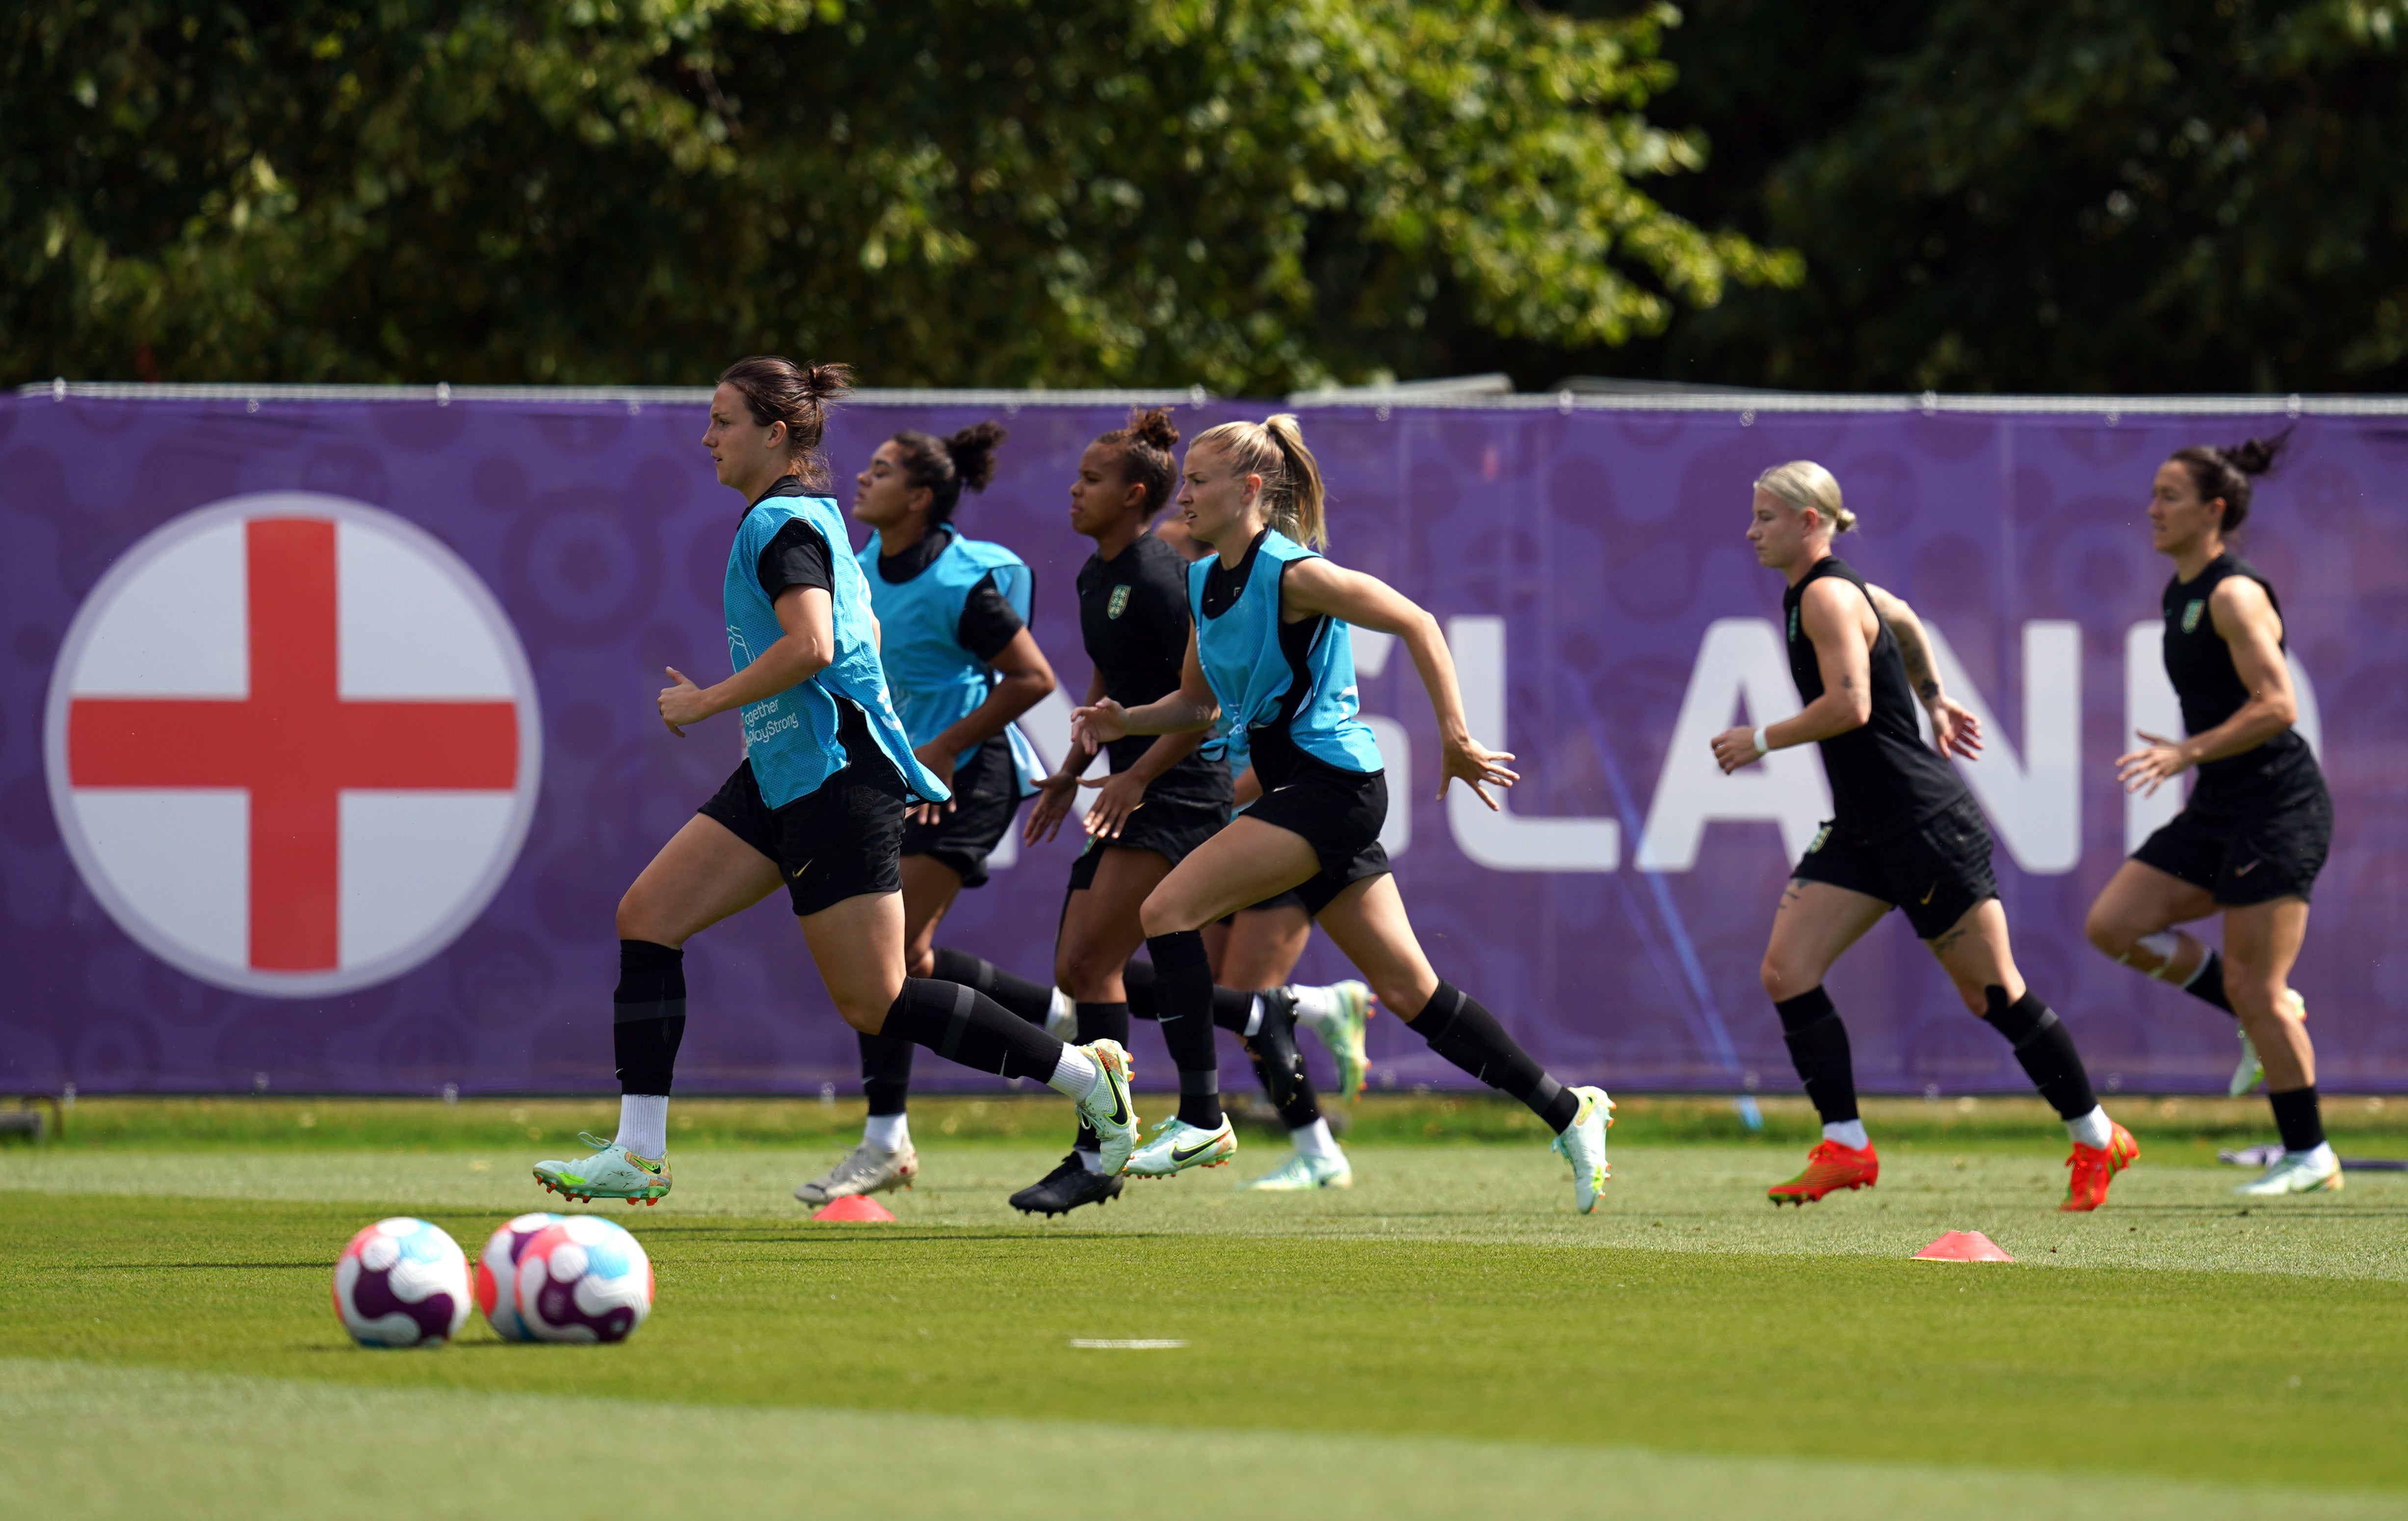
{"x": 817, "y": 805}
{"x": 1905, "y": 833}
{"x": 1270, "y": 654}
{"x": 1164, "y": 797}
{"x": 960, "y": 664}
{"x": 2259, "y": 823}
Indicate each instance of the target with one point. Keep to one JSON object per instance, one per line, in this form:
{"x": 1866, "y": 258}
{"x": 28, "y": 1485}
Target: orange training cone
{"x": 1963, "y": 1246}
{"x": 856, "y": 1209}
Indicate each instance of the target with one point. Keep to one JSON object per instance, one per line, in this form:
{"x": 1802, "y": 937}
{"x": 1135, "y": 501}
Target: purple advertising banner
{"x": 328, "y": 743}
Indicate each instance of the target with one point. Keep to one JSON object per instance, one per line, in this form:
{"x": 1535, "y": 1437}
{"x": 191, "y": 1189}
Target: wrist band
{"x": 1763, "y": 744}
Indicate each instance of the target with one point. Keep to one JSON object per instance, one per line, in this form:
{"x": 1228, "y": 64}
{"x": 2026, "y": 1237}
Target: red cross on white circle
{"x": 214, "y": 675}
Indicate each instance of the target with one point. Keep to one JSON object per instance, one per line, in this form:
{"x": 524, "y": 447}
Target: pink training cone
{"x": 856, "y": 1209}
{"x": 1963, "y": 1246}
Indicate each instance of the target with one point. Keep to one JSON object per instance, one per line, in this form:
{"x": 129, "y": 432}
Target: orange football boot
{"x": 2094, "y": 1168}
{"x": 1828, "y": 1167}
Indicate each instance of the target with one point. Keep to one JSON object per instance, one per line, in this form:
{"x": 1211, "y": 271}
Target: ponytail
{"x": 778, "y": 390}
{"x": 945, "y": 466}
{"x": 1293, "y": 496}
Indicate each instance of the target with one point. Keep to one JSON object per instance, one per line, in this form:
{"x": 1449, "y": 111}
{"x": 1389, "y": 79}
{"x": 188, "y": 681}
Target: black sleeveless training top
{"x": 2282, "y": 772}
{"x": 1885, "y": 780}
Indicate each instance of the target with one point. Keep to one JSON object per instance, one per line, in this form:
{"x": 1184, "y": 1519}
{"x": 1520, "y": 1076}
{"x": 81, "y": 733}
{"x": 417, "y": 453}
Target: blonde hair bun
{"x": 1802, "y": 483}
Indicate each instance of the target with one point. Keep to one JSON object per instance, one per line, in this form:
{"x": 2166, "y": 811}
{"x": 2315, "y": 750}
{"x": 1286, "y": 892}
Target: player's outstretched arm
{"x": 807, "y": 648}
{"x": 1955, "y": 731}
{"x": 1316, "y": 586}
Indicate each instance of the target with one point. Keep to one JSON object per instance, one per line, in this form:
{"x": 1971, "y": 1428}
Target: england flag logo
{"x": 293, "y": 743}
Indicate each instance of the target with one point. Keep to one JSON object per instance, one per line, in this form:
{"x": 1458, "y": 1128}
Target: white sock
{"x": 1092, "y": 1161}
{"x": 1849, "y": 1133}
{"x": 2093, "y": 1129}
{"x": 1313, "y": 1005}
{"x": 887, "y": 1132}
{"x": 1314, "y": 1139}
{"x": 1062, "y": 1012}
{"x": 1075, "y": 1075}
{"x": 644, "y": 1124}
{"x": 2321, "y": 1156}
{"x": 1255, "y": 1016}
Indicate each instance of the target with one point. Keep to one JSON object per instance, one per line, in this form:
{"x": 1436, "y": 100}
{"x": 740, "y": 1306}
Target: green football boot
{"x": 1300, "y": 1172}
{"x": 612, "y": 1172}
{"x": 1177, "y": 1145}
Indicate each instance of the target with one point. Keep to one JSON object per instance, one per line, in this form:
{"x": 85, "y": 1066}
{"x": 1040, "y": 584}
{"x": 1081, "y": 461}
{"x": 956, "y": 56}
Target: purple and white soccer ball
{"x": 401, "y": 1283}
{"x": 583, "y": 1280}
{"x": 497, "y": 1273}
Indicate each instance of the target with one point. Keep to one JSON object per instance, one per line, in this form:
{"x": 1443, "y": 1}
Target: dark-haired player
{"x": 960, "y": 663}
{"x": 1904, "y": 833}
{"x": 817, "y": 806}
{"x": 2256, "y": 827}
{"x": 1272, "y": 652}
{"x": 1163, "y": 797}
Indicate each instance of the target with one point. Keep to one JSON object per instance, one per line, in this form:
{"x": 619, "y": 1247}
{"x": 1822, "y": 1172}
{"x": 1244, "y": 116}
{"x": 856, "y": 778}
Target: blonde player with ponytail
{"x": 1270, "y": 657}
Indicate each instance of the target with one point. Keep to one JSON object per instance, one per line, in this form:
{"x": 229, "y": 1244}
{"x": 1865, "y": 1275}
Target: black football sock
{"x": 1458, "y": 1028}
{"x": 1818, "y": 1048}
{"x": 1280, "y": 1066}
{"x": 648, "y": 1015}
{"x": 1031, "y": 1001}
{"x": 1183, "y": 996}
{"x": 1232, "y": 1010}
{"x": 962, "y": 1025}
{"x": 1099, "y": 1022}
{"x": 886, "y": 1071}
{"x": 2207, "y": 983}
{"x": 1136, "y": 980}
{"x": 2298, "y": 1118}
{"x": 2045, "y": 1048}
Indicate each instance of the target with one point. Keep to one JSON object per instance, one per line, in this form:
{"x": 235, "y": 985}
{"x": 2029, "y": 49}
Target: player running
{"x": 1164, "y": 797}
{"x": 961, "y": 666}
{"x": 1905, "y": 833}
{"x": 817, "y": 805}
{"x": 2258, "y": 825}
{"x": 1270, "y": 654}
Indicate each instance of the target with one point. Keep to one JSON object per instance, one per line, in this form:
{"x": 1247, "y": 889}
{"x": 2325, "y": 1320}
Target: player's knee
{"x": 865, "y": 1015}
{"x": 1781, "y": 980}
{"x": 1162, "y": 914}
{"x": 1078, "y": 970}
{"x": 921, "y": 961}
{"x": 2110, "y": 932}
{"x": 634, "y": 916}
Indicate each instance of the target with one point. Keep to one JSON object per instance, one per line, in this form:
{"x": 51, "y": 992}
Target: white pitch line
{"x": 1134, "y": 1344}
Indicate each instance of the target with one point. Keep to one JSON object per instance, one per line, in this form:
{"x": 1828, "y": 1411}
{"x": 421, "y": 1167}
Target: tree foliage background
{"x": 1249, "y": 194}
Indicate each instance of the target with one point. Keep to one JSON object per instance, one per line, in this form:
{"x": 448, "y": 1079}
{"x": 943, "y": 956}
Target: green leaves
{"x": 1248, "y": 194}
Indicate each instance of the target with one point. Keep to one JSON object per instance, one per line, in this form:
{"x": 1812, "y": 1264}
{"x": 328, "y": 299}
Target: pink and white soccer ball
{"x": 401, "y": 1283}
{"x": 497, "y": 1273}
{"x": 583, "y": 1280}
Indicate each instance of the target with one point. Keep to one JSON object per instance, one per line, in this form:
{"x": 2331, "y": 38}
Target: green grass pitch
{"x": 1447, "y": 1338}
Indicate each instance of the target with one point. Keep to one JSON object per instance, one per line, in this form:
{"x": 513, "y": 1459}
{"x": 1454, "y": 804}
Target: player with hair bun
{"x": 1904, "y": 833}
{"x": 1164, "y": 797}
{"x": 953, "y": 617}
{"x": 1271, "y": 654}
{"x": 2256, "y": 830}
{"x": 817, "y": 806}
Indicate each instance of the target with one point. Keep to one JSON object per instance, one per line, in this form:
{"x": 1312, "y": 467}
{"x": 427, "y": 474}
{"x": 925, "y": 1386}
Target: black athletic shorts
{"x": 986, "y": 798}
{"x": 1171, "y": 827}
{"x": 839, "y": 842}
{"x": 1338, "y": 814}
{"x": 1937, "y": 872}
{"x": 2245, "y": 861}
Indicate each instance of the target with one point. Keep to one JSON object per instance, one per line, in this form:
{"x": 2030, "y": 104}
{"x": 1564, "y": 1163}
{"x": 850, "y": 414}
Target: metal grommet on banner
{"x": 442, "y": 394}
{"x": 1930, "y": 402}
{"x": 1564, "y": 403}
{"x": 1747, "y": 418}
{"x": 59, "y": 388}
{"x": 1382, "y": 413}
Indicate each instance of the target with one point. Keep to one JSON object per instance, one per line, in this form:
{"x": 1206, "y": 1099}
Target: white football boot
{"x": 2298, "y": 1173}
{"x": 1177, "y": 1145}
{"x": 2252, "y": 1072}
{"x": 1110, "y": 1109}
{"x": 1300, "y": 1172}
{"x": 866, "y": 1170}
{"x": 1582, "y": 1145}
{"x": 612, "y": 1171}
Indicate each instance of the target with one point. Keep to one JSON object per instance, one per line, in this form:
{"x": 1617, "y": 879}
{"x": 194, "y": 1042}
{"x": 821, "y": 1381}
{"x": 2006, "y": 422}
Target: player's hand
{"x": 1467, "y": 760}
{"x": 1098, "y": 725}
{"x": 1735, "y": 748}
{"x": 1117, "y": 796}
{"x": 1955, "y": 731}
{"x": 942, "y": 763}
{"x": 681, "y": 704}
{"x": 1054, "y": 795}
{"x": 2151, "y": 768}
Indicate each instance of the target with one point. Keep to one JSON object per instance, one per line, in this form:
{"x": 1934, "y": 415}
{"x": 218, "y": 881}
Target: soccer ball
{"x": 497, "y": 1273}
{"x": 401, "y": 1283}
{"x": 583, "y": 1280}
